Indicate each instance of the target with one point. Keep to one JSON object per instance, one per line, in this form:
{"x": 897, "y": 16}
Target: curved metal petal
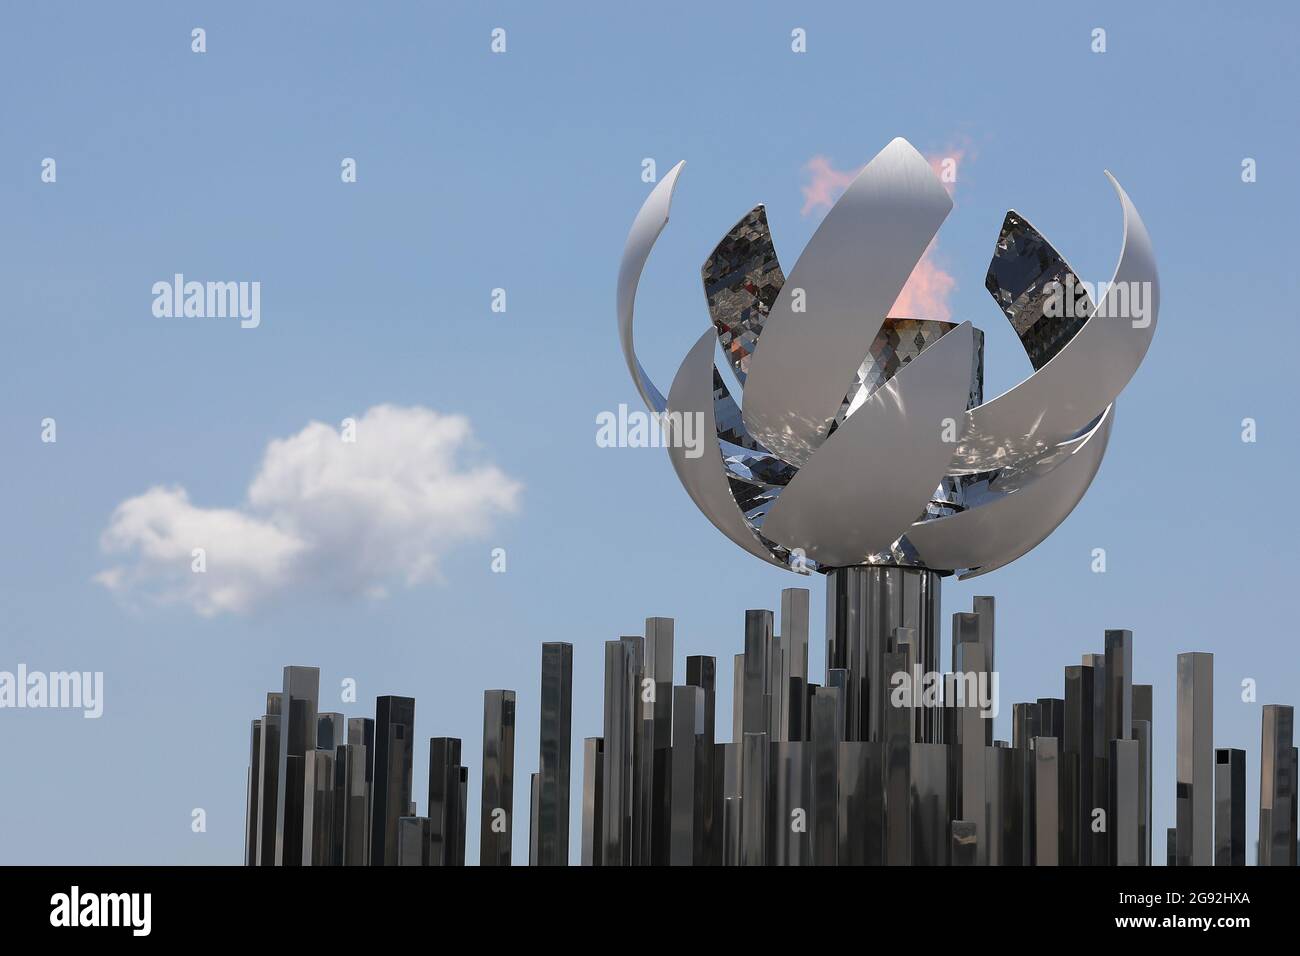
{"x": 991, "y": 535}
{"x": 649, "y": 222}
{"x": 1057, "y": 401}
{"x": 703, "y": 476}
{"x": 848, "y": 277}
{"x": 876, "y": 473}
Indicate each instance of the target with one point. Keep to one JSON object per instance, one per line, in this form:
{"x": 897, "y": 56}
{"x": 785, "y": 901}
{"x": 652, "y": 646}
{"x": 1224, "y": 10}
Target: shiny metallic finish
{"x": 1079, "y": 705}
{"x": 1229, "y": 807}
{"x": 297, "y": 736}
{"x": 741, "y": 281}
{"x": 864, "y": 437}
{"x": 861, "y": 804}
{"x": 623, "y": 661}
{"x": 1119, "y": 685}
{"x": 318, "y": 804}
{"x": 794, "y": 661}
{"x": 1024, "y": 276}
{"x": 1195, "y": 759}
{"x": 790, "y": 840}
{"x": 593, "y": 789}
{"x": 496, "y": 818}
{"x": 391, "y": 789}
{"x": 757, "y": 703}
{"x": 1142, "y": 734}
{"x": 863, "y": 607}
{"x": 446, "y": 818}
{"x": 657, "y": 733}
{"x": 268, "y": 793}
{"x": 690, "y": 777}
{"x": 413, "y": 841}
{"x": 882, "y": 465}
{"x": 754, "y": 796}
{"x": 351, "y": 805}
{"x": 931, "y": 810}
{"x": 821, "y": 791}
{"x": 555, "y": 739}
{"x": 1125, "y": 803}
{"x": 251, "y": 833}
{"x": 1277, "y": 787}
{"x": 823, "y": 799}
{"x": 1047, "y": 824}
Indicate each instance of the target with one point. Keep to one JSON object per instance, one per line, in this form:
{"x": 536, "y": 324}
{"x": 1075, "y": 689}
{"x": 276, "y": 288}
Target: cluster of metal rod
{"x": 852, "y": 771}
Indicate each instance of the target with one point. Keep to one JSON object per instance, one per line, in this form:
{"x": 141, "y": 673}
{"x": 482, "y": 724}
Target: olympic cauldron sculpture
{"x": 862, "y": 438}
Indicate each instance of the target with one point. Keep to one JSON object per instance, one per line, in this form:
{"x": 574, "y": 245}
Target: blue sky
{"x": 522, "y": 171}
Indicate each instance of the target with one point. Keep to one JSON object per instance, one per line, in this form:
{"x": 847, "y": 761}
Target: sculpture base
{"x": 865, "y": 607}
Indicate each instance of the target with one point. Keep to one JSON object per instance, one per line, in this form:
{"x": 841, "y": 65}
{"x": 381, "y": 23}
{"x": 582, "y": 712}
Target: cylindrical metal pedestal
{"x": 864, "y": 605}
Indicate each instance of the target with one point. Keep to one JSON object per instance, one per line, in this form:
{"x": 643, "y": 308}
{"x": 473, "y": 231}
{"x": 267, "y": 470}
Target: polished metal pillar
{"x": 1229, "y": 807}
{"x": 1119, "y": 685}
{"x": 318, "y": 808}
{"x": 863, "y": 607}
{"x": 251, "y": 834}
{"x": 1024, "y": 725}
{"x": 297, "y": 736}
{"x": 446, "y": 825}
{"x": 861, "y": 804}
{"x": 1142, "y": 734}
{"x": 555, "y": 735}
{"x": 824, "y": 814}
{"x": 657, "y": 727}
{"x": 793, "y": 827}
{"x": 757, "y": 702}
{"x": 391, "y": 788}
{"x": 794, "y": 661}
{"x": 352, "y": 805}
{"x": 929, "y": 808}
{"x": 970, "y": 672}
{"x": 1079, "y": 706}
{"x": 1195, "y": 760}
{"x": 1125, "y": 787}
{"x": 690, "y": 777}
{"x": 331, "y": 730}
{"x": 702, "y": 672}
{"x": 1277, "y": 787}
{"x": 755, "y": 772}
{"x": 623, "y": 659}
{"x": 738, "y": 699}
{"x": 268, "y": 794}
{"x": 496, "y": 820}
{"x": 593, "y": 788}
{"x": 900, "y": 808}
{"x": 1047, "y": 816}
{"x": 1051, "y": 717}
{"x": 1002, "y": 819}
{"x": 413, "y": 841}
{"x": 1100, "y": 845}
{"x": 533, "y": 825}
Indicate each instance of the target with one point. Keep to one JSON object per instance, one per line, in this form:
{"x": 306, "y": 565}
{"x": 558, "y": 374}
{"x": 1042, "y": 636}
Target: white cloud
{"x": 321, "y": 513}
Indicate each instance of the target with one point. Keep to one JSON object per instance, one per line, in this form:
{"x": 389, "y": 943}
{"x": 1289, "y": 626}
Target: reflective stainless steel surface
{"x": 1195, "y": 759}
